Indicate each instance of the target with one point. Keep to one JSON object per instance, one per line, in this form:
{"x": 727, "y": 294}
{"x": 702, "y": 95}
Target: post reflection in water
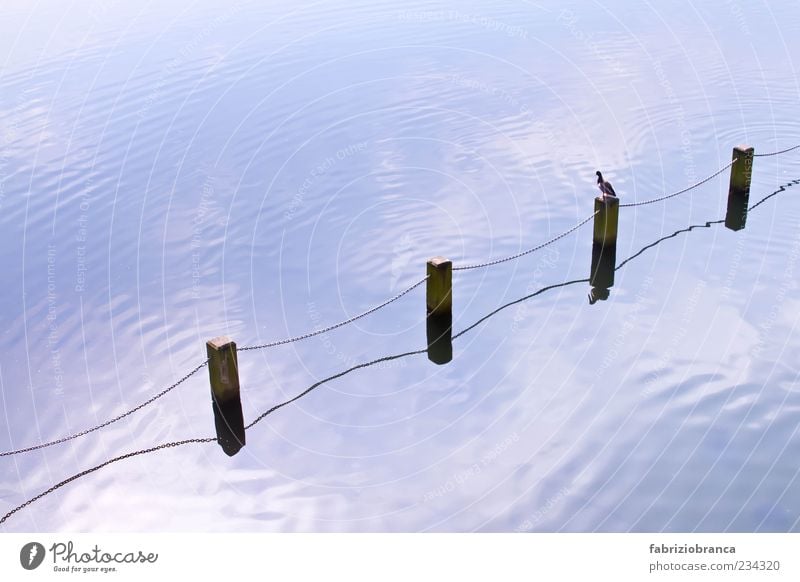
{"x": 439, "y": 329}
{"x": 601, "y": 277}
{"x": 229, "y": 422}
{"x": 230, "y": 432}
{"x": 736, "y": 215}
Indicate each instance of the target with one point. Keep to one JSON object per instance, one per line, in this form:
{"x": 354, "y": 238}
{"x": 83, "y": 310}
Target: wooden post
{"x": 739, "y": 190}
{"x": 223, "y": 371}
{"x": 439, "y": 296}
{"x": 604, "y": 247}
{"x": 741, "y": 171}
{"x": 605, "y": 220}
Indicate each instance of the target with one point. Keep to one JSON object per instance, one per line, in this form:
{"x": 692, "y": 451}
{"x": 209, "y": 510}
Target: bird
{"x": 605, "y": 186}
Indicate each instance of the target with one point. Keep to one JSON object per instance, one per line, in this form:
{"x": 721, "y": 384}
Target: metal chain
{"x": 100, "y": 466}
{"x": 529, "y": 251}
{"x": 776, "y": 153}
{"x": 693, "y": 186}
{"x": 317, "y": 384}
{"x": 106, "y": 423}
{"x": 201, "y": 440}
{"x": 336, "y": 325}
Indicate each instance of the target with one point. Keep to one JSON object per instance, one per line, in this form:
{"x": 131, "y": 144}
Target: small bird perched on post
{"x": 605, "y": 187}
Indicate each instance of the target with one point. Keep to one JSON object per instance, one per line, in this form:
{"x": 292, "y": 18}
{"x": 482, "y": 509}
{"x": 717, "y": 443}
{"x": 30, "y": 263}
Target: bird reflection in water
{"x": 601, "y": 277}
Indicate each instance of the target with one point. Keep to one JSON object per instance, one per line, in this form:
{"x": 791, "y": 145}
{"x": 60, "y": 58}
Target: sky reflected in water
{"x": 175, "y": 172}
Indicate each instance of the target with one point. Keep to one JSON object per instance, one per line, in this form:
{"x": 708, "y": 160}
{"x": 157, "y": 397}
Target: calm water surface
{"x": 171, "y": 173}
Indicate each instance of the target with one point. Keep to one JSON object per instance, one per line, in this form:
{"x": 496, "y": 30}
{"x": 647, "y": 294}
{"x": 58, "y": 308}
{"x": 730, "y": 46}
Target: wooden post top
{"x": 439, "y": 291}
{"x": 607, "y": 200}
{"x": 440, "y": 262}
{"x": 220, "y": 342}
{"x": 744, "y": 148}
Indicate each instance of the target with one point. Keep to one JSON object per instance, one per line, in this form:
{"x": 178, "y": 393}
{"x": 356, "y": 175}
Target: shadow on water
{"x": 439, "y": 331}
{"x": 708, "y": 224}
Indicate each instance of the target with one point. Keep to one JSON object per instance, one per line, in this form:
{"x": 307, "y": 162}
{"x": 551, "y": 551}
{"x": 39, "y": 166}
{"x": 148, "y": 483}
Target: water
{"x": 174, "y": 173}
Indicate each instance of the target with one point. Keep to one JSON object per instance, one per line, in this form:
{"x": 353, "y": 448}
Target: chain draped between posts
{"x": 318, "y": 332}
{"x": 197, "y": 368}
{"x": 336, "y": 325}
{"x": 692, "y": 187}
{"x": 375, "y": 308}
{"x": 108, "y": 422}
{"x": 529, "y": 251}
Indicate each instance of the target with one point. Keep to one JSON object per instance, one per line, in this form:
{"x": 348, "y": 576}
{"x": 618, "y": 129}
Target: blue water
{"x": 173, "y": 173}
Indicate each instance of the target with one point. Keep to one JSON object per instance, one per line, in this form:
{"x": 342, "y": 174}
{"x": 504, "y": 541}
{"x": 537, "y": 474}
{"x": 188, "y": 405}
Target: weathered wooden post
{"x": 739, "y": 190}
{"x": 439, "y": 304}
{"x": 439, "y": 294}
{"x": 223, "y": 371}
{"x": 604, "y": 247}
{"x": 741, "y": 170}
{"x": 606, "y": 219}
